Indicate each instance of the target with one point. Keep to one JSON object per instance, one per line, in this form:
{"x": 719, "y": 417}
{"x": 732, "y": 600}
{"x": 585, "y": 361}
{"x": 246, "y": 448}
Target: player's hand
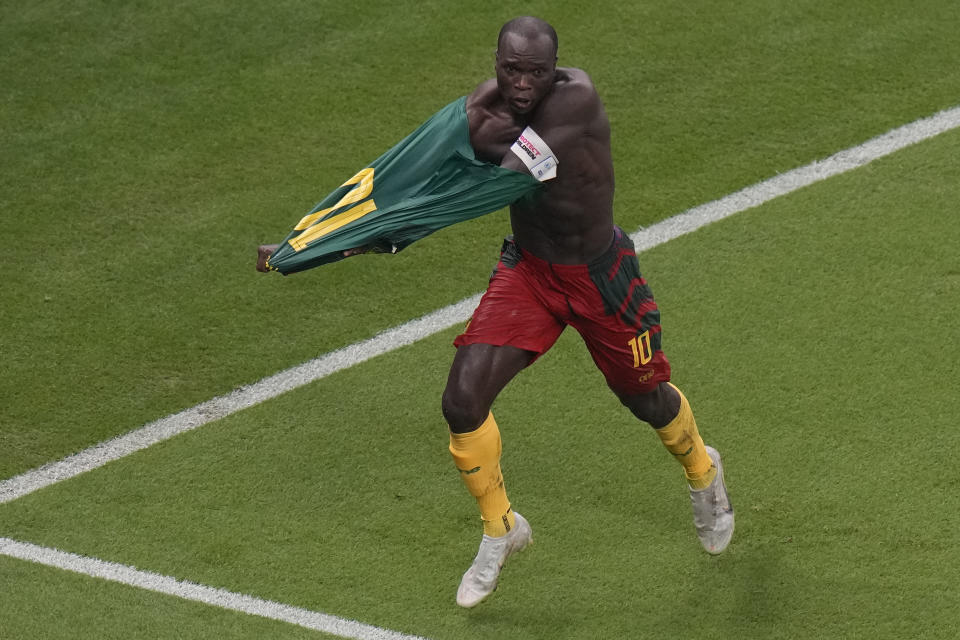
{"x": 355, "y": 251}
{"x": 264, "y": 252}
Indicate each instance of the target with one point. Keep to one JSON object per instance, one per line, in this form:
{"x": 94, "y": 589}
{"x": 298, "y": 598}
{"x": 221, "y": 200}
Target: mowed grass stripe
{"x": 410, "y": 332}
{"x": 198, "y": 593}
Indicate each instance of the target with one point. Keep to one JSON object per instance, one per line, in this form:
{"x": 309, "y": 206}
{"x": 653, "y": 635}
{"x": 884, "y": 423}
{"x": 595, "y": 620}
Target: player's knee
{"x": 657, "y": 408}
{"x": 463, "y": 411}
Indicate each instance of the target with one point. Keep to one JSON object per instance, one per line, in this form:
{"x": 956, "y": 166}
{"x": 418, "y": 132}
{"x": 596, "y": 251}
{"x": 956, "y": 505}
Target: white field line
{"x": 197, "y": 592}
{"x": 410, "y": 332}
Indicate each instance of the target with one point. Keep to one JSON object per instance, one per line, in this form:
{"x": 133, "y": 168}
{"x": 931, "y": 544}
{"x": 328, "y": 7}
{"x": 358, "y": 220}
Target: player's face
{"x": 525, "y": 70}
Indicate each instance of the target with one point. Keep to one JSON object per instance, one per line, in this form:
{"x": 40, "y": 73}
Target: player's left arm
{"x": 567, "y": 120}
{"x": 572, "y": 115}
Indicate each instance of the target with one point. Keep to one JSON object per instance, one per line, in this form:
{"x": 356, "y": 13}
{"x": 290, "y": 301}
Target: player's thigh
{"x": 629, "y": 357}
{"x": 478, "y": 374}
{"x": 516, "y": 309}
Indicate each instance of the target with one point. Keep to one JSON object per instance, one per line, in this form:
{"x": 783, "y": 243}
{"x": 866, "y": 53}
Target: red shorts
{"x": 530, "y": 301}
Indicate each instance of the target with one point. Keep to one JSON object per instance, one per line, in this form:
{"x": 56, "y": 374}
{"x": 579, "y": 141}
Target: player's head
{"x": 526, "y": 62}
{"x": 529, "y": 27}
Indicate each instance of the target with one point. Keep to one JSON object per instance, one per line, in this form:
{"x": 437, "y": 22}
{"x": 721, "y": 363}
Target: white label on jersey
{"x": 535, "y": 153}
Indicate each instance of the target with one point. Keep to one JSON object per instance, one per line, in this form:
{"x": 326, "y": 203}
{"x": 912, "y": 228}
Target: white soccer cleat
{"x": 712, "y": 511}
{"x": 481, "y": 578}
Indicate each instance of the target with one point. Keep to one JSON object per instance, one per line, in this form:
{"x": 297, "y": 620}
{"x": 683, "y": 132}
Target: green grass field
{"x": 148, "y": 148}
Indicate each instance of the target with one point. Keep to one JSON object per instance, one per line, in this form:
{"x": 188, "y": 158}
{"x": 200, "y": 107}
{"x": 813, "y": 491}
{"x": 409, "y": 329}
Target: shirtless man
{"x": 566, "y": 264}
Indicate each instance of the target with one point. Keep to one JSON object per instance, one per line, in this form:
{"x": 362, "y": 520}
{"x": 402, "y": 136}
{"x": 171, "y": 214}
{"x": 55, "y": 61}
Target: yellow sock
{"x": 477, "y": 456}
{"x": 682, "y": 439}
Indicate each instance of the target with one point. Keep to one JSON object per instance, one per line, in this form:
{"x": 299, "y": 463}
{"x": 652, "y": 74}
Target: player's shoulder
{"x": 573, "y": 83}
{"x": 484, "y": 95}
{"x": 573, "y": 97}
{"x": 574, "y": 77}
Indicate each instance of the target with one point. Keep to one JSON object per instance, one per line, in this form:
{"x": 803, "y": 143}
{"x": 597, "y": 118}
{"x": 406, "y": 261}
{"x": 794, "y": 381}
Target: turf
{"x": 148, "y": 148}
{"x": 813, "y": 336}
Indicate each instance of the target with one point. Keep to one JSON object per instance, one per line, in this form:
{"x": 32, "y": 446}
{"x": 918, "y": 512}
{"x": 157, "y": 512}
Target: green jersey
{"x": 429, "y": 180}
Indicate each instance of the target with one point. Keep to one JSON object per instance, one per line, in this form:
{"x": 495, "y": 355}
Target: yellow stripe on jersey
{"x": 332, "y": 224}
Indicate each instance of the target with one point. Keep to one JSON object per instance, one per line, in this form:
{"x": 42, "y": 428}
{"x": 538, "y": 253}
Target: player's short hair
{"x": 529, "y": 27}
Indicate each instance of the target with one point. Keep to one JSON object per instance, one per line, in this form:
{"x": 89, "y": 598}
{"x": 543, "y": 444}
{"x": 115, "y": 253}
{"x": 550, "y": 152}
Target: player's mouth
{"x": 521, "y": 104}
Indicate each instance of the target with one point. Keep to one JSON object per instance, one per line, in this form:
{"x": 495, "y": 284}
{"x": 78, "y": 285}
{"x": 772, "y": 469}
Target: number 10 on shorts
{"x": 642, "y": 353}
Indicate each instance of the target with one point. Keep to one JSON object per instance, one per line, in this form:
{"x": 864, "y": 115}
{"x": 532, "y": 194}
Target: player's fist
{"x": 264, "y": 252}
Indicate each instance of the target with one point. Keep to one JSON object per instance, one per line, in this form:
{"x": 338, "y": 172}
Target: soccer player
{"x": 565, "y": 264}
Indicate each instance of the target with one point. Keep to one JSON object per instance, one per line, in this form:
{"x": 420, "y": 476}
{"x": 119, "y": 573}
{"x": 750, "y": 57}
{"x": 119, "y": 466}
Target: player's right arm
{"x": 492, "y": 130}
{"x": 264, "y": 252}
